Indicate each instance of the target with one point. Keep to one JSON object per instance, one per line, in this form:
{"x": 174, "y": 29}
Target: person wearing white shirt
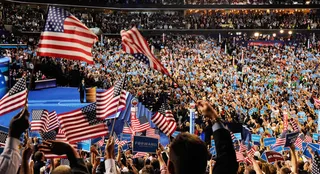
{"x": 10, "y": 159}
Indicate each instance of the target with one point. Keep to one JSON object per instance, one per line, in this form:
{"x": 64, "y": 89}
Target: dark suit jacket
{"x": 226, "y": 161}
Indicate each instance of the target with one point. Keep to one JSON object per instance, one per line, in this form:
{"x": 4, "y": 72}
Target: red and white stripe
{"x": 75, "y": 42}
{"x": 165, "y": 126}
{"x": 42, "y": 124}
{"x": 53, "y": 121}
{"x": 134, "y": 43}
{"x": 151, "y": 133}
{"x": 316, "y": 102}
{"x": 140, "y": 154}
{"x": 77, "y": 127}
{"x": 240, "y": 157}
{"x": 108, "y": 104}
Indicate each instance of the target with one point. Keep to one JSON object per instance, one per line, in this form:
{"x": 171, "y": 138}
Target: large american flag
{"x": 166, "y": 125}
{"x": 15, "y": 98}
{"x": 134, "y": 43}
{"x": 111, "y": 101}
{"x": 64, "y": 36}
{"x": 53, "y": 121}
{"x": 82, "y": 124}
{"x": 142, "y": 124}
{"x": 57, "y": 135}
{"x": 40, "y": 120}
{"x": 3, "y": 138}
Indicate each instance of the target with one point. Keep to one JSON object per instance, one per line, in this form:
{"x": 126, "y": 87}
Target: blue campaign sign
{"x": 278, "y": 149}
{"x": 291, "y": 138}
{"x": 85, "y": 145}
{"x": 237, "y": 135}
{"x": 269, "y": 141}
{"x": 314, "y": 147}
{"x": 213, "y": 151}
{"x": 315, "y": 137}
{"x": 213, "y": 144}
{"x": 125, "y": 137}
{"x": 145, "y": 144}
{"x": 256, "y": 137}
{"x": 175, "y": 134}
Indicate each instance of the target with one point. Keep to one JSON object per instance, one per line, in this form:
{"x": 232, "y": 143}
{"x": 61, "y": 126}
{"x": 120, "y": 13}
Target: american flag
{"x": 140, "y": 155}
{"x": 53, "y": 135}
{"x": 15, "y": 98}
{"x": 251, "y": 152}
{"x": 315, "y": 164}
{"x": 239, "y": 156}
{"x": 134, "y": 43}
{"x": 40, "y": 120}
{"x": 153, "y": 133}
{"x": 3, "y": 138}
{"x": 101, "y": 142}
{"x": 248, "y": 160}
{"x": 308, "y": 139}
{"x": 82, "y": 124}
{"x": 64, "y": 36}
{"x": 141, "y": 124}
{"x": 111, "y": 101}
{"x": 127, "y": 129}
{"x": 294, "y": 125}
{"x": 117, "y": 141}
{"x": 167, "y": 126}
{"x": 53, "y": 121}
{"x": 299, "y": 141}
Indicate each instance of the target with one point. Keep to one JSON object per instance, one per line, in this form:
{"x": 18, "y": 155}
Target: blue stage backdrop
{"x": 4, "y": 75}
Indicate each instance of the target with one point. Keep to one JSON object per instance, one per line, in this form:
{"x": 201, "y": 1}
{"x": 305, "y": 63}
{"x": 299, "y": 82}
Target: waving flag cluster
{"x": 111, "y": 101}
{"x": 64, "y": 36}
{"x": 15, "y": 98}
{"x": 82, "y": 124}
{"x": 164, "y": 120}
{"x": 134, "y": 43}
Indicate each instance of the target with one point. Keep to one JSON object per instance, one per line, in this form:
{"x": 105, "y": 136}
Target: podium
{"x": 91, "y": 95}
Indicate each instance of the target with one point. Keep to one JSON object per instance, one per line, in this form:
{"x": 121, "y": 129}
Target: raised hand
{"x": 19, "y": 124}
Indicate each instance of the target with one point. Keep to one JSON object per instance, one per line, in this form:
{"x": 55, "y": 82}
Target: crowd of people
{"x": 251, "y": 85}
{"x": 31, "y": 19}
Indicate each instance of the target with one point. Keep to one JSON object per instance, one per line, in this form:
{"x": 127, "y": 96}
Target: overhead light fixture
{"x": 256, "y": 34}
{"x": 307, "y": 2}
{"x": 290, "y": 32}
{"x": 274, "y": 34}
{"x": 281, "y": 31}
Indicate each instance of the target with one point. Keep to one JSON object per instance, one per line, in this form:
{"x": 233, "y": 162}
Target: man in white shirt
{"x": 10, "y": 158}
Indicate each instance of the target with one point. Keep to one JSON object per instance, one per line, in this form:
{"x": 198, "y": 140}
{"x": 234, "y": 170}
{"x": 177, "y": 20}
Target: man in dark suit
{"x": 82, "y": 90}
{"x": 226, "y": 161}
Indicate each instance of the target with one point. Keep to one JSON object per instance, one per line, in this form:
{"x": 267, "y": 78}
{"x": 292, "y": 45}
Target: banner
{"x": 291, "y": 138}
{"x": 265, "y": 43}
{"x": 273, "y": 156}
{"x": 255, "y": 138}
{"x": 269, "y": 141}
{"x": 84, "y": 145}
{"x": 238, "y": 136}
{"x": 315, "y": 137}
{"x": 192, "y": 117}
{"x": 144, "y": 144}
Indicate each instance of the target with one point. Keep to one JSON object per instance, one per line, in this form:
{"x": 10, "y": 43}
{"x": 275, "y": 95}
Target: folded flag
{"x": 64, "y": 36}
{"x": 134, "y": 44}
{"x": 82, "y": 124}
{"x": 15, "y": 98}
{"x": 112, "y": 100}
{"x": 40, "y": 120}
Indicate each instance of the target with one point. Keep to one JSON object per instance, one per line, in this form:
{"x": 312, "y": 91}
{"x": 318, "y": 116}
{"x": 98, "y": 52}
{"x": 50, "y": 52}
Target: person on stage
{"x": 82, "y": 90}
